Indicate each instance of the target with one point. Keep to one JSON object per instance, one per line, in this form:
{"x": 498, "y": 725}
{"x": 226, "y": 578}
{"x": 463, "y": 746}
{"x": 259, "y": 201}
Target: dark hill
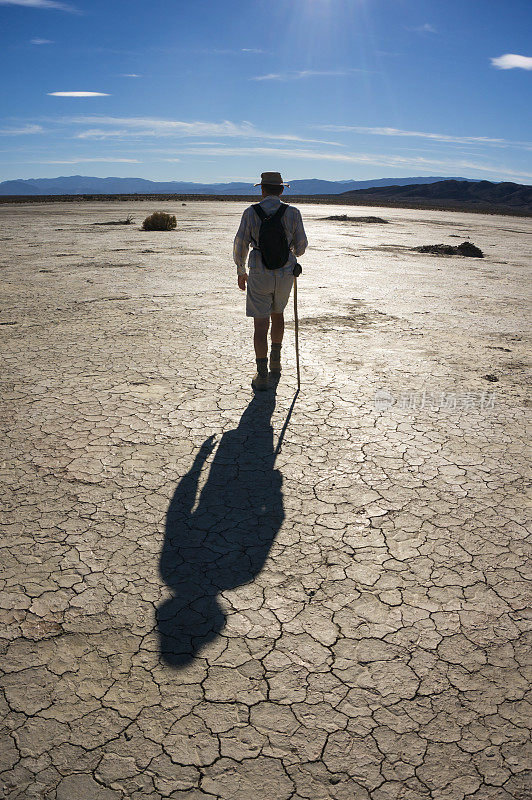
{"x": 452, "y": 194}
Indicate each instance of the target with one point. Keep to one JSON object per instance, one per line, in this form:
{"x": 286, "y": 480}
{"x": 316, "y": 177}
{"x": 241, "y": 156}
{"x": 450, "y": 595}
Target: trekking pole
{"x": 296, "y": 330}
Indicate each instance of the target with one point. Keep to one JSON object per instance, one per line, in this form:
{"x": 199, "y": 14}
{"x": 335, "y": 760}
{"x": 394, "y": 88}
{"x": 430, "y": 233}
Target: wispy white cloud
{"x": 154, "y": 127}
{"x": 357, "y": 158}
{"x": 99, "y": 133}
{"x": 130, "y": 75}
{"x": 306, "y": 73}
{"x": 41, "y": 41}
{"x": 78, "y": 94}
{"x": 273, "y": 151}
{"x": 47, "y": 4}
{"x": 425, "y": 28}
{"x": 437, "y": 137}
{"x": 512, "y": 61}
{"x": 21, "y": 131}
{"x": 94, "y": 160}
{"x": 229, "y": 51}
{"x": 374, "y": 159}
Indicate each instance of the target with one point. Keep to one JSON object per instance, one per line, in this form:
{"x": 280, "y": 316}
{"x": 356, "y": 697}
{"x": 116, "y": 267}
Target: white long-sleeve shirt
{"x": 248, "y": 235}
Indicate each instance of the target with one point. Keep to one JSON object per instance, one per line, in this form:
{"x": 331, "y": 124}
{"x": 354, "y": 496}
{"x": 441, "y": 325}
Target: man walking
{"x": 277, "y": 237}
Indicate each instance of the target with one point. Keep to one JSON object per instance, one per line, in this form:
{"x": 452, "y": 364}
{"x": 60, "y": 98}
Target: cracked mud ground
{"x": 187, "y": 614}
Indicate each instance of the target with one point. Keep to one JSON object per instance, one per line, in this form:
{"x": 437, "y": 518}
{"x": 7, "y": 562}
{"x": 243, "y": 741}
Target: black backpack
{"x": 273, "y": 244}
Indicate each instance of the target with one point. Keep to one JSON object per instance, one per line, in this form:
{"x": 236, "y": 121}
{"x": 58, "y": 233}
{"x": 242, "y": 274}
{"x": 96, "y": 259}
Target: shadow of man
{"x": 224, "y": 541}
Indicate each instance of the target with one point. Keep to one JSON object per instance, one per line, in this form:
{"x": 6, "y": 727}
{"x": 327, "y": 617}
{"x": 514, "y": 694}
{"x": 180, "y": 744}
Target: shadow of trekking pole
{"x": 285, "y": 426}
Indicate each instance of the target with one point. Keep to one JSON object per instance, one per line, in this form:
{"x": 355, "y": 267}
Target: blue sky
{"x": 218, "y": 91}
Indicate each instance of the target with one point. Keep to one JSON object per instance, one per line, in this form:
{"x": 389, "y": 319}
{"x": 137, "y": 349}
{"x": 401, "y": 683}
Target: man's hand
{"x": 242, "y": 282}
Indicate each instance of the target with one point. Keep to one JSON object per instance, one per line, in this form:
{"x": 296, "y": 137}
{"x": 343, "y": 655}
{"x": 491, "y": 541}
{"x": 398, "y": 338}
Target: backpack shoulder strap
{"x": 279, "y": 214}
{"x": 258, "y": 209}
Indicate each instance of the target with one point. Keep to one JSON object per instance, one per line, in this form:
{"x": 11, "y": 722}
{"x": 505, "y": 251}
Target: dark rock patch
{"x": 358, "y": 317}
{"x": 127, "y": 221}
{"x": 346, "y": 218}
{"x": 464, "y": 249}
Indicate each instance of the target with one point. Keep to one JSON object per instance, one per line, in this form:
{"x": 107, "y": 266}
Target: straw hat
{"x": 271, "y": 179}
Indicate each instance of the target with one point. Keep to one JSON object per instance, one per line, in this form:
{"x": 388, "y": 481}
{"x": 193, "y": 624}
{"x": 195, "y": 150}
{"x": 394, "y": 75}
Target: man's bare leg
{"x": 277, "y": 338}
{"x": 277, "y": 328}
{"x": 260, "y": 341}
{"x": 260, "y": 336}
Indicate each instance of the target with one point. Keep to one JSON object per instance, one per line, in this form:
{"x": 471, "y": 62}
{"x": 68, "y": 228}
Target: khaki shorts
{"x": 268, "y": 290}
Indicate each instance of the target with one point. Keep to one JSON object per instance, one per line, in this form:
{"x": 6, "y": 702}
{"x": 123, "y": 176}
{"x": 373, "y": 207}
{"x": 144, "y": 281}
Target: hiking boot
{"x": 274, "y": 376}
{"x": 260, "y": 381}
{"x": 275, "y": 362}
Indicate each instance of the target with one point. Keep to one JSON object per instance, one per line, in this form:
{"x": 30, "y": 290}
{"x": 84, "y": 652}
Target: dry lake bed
{"x": 207, "y": 595}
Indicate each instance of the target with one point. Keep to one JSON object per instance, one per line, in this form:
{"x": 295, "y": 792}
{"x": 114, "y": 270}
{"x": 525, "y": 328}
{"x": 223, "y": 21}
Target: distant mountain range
{"x": 459, "y": 194}
{"x": 451, "y": 193}
{"x": 80, "y": 184}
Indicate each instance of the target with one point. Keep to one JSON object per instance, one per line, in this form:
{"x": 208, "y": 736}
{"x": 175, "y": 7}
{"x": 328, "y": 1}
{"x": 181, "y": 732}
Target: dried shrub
{"x": 159, "y": 221}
